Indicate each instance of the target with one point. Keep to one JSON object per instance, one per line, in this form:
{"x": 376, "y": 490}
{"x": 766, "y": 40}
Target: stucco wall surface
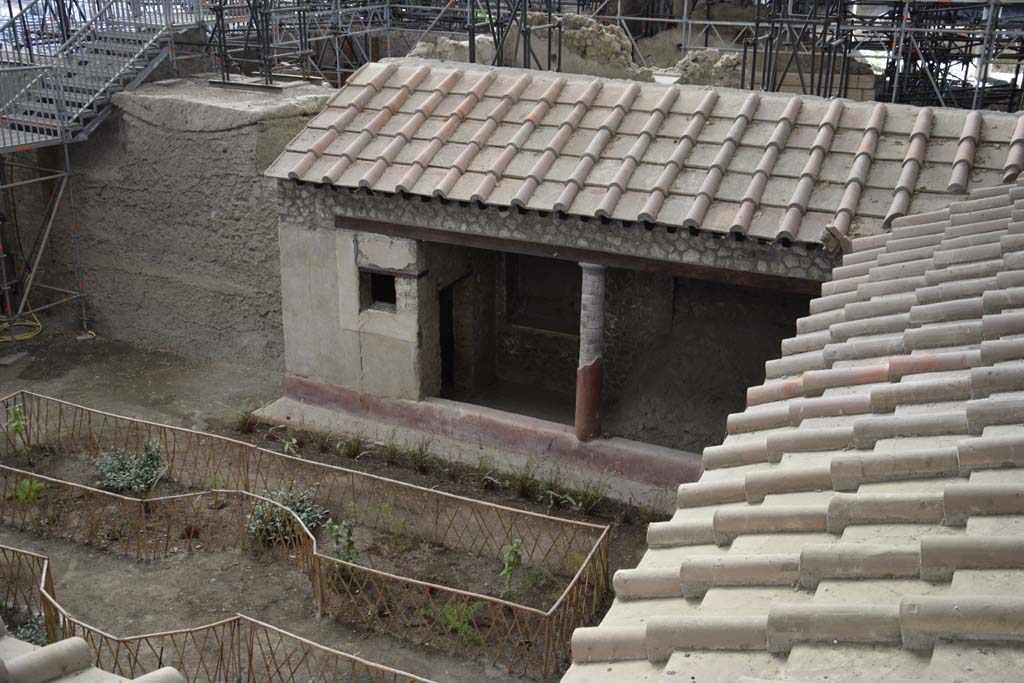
{"x": 179, "y": 229}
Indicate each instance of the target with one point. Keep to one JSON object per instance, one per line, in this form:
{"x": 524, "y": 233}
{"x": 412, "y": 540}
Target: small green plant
{"x": 535, "y": 577}
{"x": 322, "y": 441}
{"x": 590, "y": 494}
{"x": 137, "y": 474}
{"x": 341, "y": 535}
{"x": 352, "y": 446}
{"x": 32, "y": 631}
{"x": 553, "y": 490}
{"x": 27, "y": 491}
{"x": 524, "y": 479}
{"x": 246, "y": 421}
{"x": 344, "y": 544}
{"x": 269, "y": 523}
{"x": 290, "y": 445}
{"x": 419, "y": 456}
{"x": 511, "y": 560}
{"x": 457, "y": 618}
{"x": 391, "y": 451}
{"x": 489, "y": 474}
{"x": 16, "y": 423}
{"x": 392, "y": 523}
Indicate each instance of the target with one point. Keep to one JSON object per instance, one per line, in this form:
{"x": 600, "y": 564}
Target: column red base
{"x": 588, "y": 400}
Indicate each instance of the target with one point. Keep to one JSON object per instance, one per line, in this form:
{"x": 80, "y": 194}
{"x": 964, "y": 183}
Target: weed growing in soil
{"x": 457, "y": 618}
{"x": 392, "y": 524}
{"x": 323, "y": 441}
{"x": 27, "y": 491}
{"x": 554, "y": 491}
{"x": 290, "y": 445}
{"x": 391, "y": 451}
{"x": 32, "y": 631}
{"x": 246, "y": 422}
{"x": 352, "y": 446}
{"x": 489, "y": 474}
{"x": 269, "y": 524}
{"x": 16, "y": 423}
{"x": 344, "y": 549}
{"x": 590, "y": 494}
{"x": 524, "y": 479}
{"x": 510, "y": 562}
{"x": 535, "y": 577}
{"x": 419, "y": 456}
{"x": 344, "y": 545}
{"x": 137, "y": 474}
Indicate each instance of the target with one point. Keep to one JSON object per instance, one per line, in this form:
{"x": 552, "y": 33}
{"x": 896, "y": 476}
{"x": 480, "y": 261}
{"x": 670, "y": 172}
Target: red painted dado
{"x": 476, "y": 425}
{"x": 588, "y": 400}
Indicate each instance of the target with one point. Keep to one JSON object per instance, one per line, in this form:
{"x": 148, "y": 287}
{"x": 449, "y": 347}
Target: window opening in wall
{"x": 377, "y": 290}
{"x": 543, "y": 293}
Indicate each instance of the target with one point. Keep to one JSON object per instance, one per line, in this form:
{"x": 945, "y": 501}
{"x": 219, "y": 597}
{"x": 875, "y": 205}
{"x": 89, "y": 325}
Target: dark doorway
{"x": 446, "y": 318}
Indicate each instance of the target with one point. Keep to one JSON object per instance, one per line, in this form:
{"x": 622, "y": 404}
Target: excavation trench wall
{"x": 179, "y": 235}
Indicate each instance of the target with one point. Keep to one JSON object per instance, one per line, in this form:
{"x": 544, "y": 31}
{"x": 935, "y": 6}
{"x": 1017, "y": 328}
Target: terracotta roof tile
{"x": 887, "y": 460}
{"x": 770, "y": 166}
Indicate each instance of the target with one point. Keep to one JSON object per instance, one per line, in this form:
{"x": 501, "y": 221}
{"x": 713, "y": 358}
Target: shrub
{"x": 269, "y": 524}
{"x": 124, "y": 472}
{"x": 32, "y": 631}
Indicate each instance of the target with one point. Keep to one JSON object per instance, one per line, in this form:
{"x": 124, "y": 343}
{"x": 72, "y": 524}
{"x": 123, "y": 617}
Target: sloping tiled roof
{"x": 768, "y": 166}
{"x": 864, "y": 518}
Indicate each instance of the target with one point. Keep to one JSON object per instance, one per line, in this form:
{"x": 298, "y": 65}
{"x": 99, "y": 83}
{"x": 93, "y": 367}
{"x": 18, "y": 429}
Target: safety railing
{"x": 236, "y": 649}
{"x": 231, "y": 473}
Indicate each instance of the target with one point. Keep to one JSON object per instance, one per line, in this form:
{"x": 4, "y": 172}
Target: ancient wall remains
{"x": 179, "y": 228}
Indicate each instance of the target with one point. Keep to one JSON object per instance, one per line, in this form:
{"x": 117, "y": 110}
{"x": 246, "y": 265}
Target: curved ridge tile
{"x": 1015, "y": 154}
{"x": 963, "y": 162}
{"x": 912, "y": 162}
{"x": 629, "y": 164}
{"x": 479, "y": 140}
{"x": 858, "y": 176}
{"x": 372, "y": 87}
{"x": 565, "y": 131}
{"x": 706, "y": 194}
{"x": 500, "y": 165}
{"x": 605, "y": 133}
{"x": 682, "y": 150}
{"x": 458, "y": 115}
{"x": 351, "y": 152}
{"x": 797, "y": 206}
{"x": 776, "y": 144}
{"x": 405, "y": 134}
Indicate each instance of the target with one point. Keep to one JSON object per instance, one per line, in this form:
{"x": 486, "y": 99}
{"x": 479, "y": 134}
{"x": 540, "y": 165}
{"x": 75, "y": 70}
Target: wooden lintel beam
{"x": 688, "y": 270}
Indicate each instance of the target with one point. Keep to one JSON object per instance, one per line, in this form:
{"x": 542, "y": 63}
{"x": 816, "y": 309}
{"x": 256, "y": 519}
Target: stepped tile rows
{"x": 763, "y": 165}
{"x": 864, "y": 517}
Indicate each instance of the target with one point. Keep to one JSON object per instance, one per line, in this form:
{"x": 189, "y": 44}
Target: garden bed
{"x": 388, "y": 548}
{"x": 562, "y": 564}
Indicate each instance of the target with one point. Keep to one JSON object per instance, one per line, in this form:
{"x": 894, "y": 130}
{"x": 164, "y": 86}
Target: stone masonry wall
{"x": 179, "y": 236}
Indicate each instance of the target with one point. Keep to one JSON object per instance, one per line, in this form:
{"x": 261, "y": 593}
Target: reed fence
{"x": 232, "y": 475}
{"x": 236, "y": 649}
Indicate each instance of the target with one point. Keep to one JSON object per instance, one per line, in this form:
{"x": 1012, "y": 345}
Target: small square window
{"x": 377, "y": 290}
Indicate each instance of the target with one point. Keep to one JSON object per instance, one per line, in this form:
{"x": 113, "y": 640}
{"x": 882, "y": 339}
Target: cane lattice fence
{"x": 236, "y": 649}
{"x": 232, "y": 474}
